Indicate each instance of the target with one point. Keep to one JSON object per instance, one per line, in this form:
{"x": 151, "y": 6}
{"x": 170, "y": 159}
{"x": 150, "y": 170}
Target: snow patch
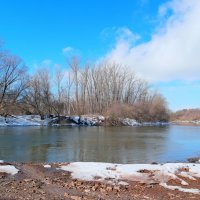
{"x": 21, "y": 120}
{"x": 9, "y": 169}
{"x": 130, "y": 122}
{"x": 75, "y": 119}
{"x": 133, "y": 122}
{"x": 47, "y": 166}
{"x": 91, "y": 120}
{"x": 188, "y": 190}
{"x": 88, "y": 120}
{"x": 146, "y": 173}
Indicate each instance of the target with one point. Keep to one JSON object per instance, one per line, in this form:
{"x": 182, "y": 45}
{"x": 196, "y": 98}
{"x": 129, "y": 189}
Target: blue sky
{"x": 133, "y": 31}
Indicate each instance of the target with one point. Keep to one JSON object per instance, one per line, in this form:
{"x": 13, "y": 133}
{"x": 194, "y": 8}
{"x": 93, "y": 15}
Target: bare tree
{"x": 69, "y": 83}
{"x": 60, "y": 96}
{"x": 74, "y": 65}
{"x": 13, "y": 81}
{"x": 39, "y": 96}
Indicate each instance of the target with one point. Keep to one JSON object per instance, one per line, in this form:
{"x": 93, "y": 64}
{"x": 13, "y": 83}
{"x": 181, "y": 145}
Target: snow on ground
{"x": 47, "y": 166}
{"x": 91, "y": 120}
{"x": 35, "y": 120}
{"x": 9, "y": 169}
{"x": 146, "y": 173}
{"x": 21, "y": 120}
{"x": 130, "y": 122}
{"x": 133, "y": 122}
{"x": 75, "y": 119}
{"x": 88, "y": 120}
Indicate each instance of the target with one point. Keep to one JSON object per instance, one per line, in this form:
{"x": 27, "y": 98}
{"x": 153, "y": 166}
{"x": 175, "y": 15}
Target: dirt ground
{"x": 36, "y": 182}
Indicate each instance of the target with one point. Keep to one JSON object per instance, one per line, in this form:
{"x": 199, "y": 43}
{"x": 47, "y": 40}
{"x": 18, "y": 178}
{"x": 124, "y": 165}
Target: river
{"x": 99, "y": 144}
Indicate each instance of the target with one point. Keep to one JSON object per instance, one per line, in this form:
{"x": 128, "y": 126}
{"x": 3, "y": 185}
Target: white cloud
{"x": 67, "y": 50}
{"x": 125, "y": 34}
{"x": 173, "y": 51}
{"x": 119, "y": 34}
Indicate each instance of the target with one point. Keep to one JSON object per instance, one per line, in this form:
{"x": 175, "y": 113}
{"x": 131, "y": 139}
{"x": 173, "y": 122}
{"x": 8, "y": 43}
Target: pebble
{"x": 75, "y": 198}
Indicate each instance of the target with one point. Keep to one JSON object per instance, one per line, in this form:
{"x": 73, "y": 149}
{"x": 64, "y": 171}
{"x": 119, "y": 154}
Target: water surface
{"x": 99, "y": 144}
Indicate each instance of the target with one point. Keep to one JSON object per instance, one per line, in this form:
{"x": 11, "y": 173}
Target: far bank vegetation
{"x": 110, "y": 89}
{"x": 186, "y": 115}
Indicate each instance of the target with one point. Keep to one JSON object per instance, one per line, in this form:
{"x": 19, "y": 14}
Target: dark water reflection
{"x": 110, "y": 144}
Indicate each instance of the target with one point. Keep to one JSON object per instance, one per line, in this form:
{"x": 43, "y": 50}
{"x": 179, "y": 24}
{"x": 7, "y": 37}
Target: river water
{"x": 99, "y": 144}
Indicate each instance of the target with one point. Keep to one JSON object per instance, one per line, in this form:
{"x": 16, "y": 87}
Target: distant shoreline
{"x": 75, "y": 120}
{"x": 186, "y": 123}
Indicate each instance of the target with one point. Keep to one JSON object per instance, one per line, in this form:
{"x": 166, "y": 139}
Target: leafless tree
{"x": 13, "y": 82}
{"x": 59, "y": 98}
{"x": 74, "y": 66}
{"x": 39, "y": 96}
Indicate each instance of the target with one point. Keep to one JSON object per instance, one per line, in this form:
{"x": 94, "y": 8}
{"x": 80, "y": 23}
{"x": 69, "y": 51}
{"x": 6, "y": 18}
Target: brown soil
{"x": 36, "y": 182}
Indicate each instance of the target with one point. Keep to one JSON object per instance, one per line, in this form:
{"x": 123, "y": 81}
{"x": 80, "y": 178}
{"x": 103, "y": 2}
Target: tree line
{"x": 106, "y": 88}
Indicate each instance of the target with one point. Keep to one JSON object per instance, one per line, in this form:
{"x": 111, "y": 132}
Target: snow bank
{"x": 88, "y": 120}
{"x": 9, "y": 169}
{"x": 146, "y": 173}
{"x": 27, "y": 120}
{"x": 130, "y": 122}
{"x": 75, "y": 119}
{"x": 133, "y": 122}
{"x": 188, "y": 190}
{"x": 21, "y": 120}
{"x": 91, "y": 120}
{"x": 35, "y": 120}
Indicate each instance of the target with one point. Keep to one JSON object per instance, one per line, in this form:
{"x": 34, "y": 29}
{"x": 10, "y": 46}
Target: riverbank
{"x": 78, "y": 181}
{"x": 186, "y": 122}
{"x": 83, "y": 120}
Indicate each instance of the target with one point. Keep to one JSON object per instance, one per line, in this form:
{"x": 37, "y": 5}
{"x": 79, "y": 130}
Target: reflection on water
{"x": 102, "y": 144}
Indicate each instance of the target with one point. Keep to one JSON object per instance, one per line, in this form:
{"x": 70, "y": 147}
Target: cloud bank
{"x": 173, "y": 52}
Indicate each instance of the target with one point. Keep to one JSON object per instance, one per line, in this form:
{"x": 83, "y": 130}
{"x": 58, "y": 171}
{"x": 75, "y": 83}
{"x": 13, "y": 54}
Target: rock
{"x": 116, "y": 188}
{"x": 130, "y": 122}
{"x": 123, "y": 183}
{"x": 75, "y": 119}
{"x": 66, "y": 195}
{"x": 27, "y": 180}
{"x": 102, "y": 190}
{"x": 154, "y": 163}
{"x": 91, "y": 120}
{"x": 94, "y": 188}
{"x": 72, "y": 184}
{"x": 75, "y": 198}
{"x": 194, "y": 160}
{"x": 109, "y": 189}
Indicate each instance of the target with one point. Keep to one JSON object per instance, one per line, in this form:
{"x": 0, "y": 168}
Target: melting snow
{"x": 147, "y": 173}
{"x": 21, "y": 120}
{"x": 9, "y": 169}
{"x": 47, "y": 166}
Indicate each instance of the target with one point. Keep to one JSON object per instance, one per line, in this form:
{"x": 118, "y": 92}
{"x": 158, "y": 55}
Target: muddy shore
{"x": 35, "y": 181}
